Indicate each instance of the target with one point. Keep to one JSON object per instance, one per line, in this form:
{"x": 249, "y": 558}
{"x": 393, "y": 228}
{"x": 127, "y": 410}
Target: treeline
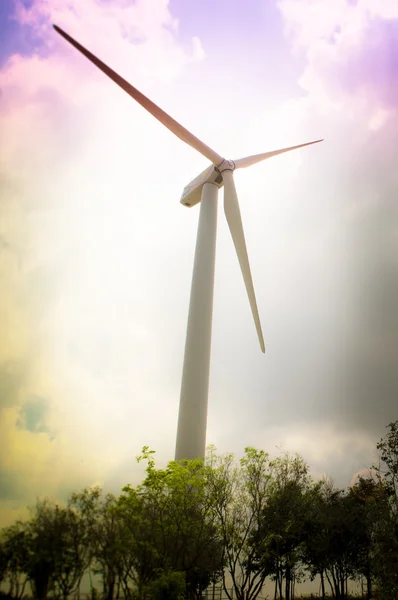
{"x": 194, "y": 524}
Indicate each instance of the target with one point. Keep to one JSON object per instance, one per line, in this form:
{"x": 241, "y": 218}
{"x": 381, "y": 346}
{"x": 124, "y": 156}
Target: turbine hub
{"x": 226, "y": 165}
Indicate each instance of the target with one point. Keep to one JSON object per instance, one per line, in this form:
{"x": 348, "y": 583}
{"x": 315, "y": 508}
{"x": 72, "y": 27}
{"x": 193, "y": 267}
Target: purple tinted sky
{"x": 14, "y": 37}
{"x": 246, "y": 36}
{"x": 9, "y": 29}
{"x": 373, "y": 68}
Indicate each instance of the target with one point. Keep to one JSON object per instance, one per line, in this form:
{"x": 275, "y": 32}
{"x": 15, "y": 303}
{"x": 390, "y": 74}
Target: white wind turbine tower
{"x": 191, "y": 432}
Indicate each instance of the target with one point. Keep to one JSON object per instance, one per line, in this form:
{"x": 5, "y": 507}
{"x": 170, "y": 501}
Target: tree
{"x": 170, "y": 585}
{"x": 386, "y": 557}
{"x": 341, "y": 540}
{"x": 87, "y": 505}
{"x": 139, "y": 523}
{"x": 43, "y": 543}
{"x": 238, "y": 497}
{"x": 315, "y": 549}
{"x": 172, "y": 525}
{"x": 110, "y": 547}
{"x": 3, "y": 559}
{"x": 15, "y": 557}
{"x": 49, "y": 549}
{"x": 106, "y": 540}
{"x": 285, "y": 520}
{"x": 70, "y": 552}
{"x": 388, "y": 447}
{"x": 369, "y": 507}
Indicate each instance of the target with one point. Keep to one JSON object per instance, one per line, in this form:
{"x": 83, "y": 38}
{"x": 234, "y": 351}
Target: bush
{"x": 170, "y": 585}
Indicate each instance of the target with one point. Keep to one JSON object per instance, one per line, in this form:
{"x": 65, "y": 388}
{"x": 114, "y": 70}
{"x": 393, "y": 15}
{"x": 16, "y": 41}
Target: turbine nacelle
{"x": 193, "y": 191}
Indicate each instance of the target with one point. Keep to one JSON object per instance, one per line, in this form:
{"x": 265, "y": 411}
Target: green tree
{"x": 109, "y": 547}
{"x": 55, "y": 552}
{"x": 369, "y": 508}
{"x": 172, "y": 525}
{"x": 70, "y": 552}
{"x": 386, "y": 557}
{"x": 15, "y": 557}
{"x": 105, "y": 539}
{"x": 42, "y": 543}
{"x": 3, "y": 558}
{"x": 87, "y": 504}
{"x": 139, "y": 524}
{"x": 239, "y": 494}
{"x": 285, "y": 521}
{"x": 341, "y": 538}
{"x": 388, "y": 448}
{"x": 315, "y": 549}
{"x": 169, "y": 585}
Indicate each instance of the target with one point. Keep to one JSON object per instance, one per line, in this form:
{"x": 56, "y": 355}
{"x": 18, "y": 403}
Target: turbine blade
{"x": 234, "y": 219}
{"x": 159, "y": 114}
{"x": 248, "y": 161}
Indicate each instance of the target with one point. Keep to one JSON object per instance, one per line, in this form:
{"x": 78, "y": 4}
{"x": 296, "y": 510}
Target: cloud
{"x": 350, "y": 49}
{"x": 70, "y": 357}
{"x": 327, "y": 271}
{"x": 340, "y": 354}
{"x": 370, "y": 69}
{"x": 32, "y": 415}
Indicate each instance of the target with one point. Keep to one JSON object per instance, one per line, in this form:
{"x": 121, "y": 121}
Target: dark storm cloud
{"x": 32, "y": 415}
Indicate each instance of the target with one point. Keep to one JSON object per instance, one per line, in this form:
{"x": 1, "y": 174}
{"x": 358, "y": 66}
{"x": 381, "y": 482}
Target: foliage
{"x": 3, "y": 560}
{"x": 170, "y": 585}
{"x": 172, "y": 526}
{"x": 53, "y": 550}
{"x": 285, "y": 522}
{"x": 388, "y": 447}
{"x": 15, "y": 556}
{"x": 194, "y": 523}
{"x": 238, "y": 496}
{"x": 386, "y": 555}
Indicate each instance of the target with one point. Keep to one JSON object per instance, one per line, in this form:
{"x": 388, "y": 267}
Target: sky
{"x": 96, "y": 251}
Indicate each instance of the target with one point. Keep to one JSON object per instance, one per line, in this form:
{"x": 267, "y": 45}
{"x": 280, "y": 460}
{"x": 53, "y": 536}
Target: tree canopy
{"x": 198, "y": 523}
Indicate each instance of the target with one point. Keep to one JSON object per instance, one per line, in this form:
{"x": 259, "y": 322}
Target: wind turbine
{"x": 191, "y": 432}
